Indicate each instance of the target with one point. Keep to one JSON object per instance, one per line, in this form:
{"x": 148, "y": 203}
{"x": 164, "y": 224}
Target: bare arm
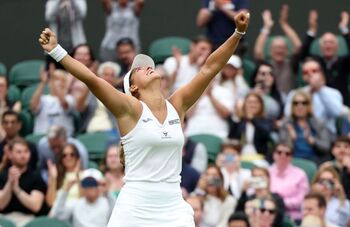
{"x": 263, "y": 36}
{"x": 288, "y": 30}
{"x": 52, "y": 184}
{"x": 35, "y": 101}
{"x": 107, "y": 6}
{"x": 186, "y": 96}
{"x": 203, "y": 18}
{"x": 81, "y": 100}
{"x": 5, "y": 195}
{"x": 32, "y": 201}
{"x": 220, "y": 108}
{"x": 138, "y": 6}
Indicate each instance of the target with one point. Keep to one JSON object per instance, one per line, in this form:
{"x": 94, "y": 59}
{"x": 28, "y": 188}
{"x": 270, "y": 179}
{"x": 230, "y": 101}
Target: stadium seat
{"x": 47, "y": 222}
{"x": 25, "y": 73}
{"x": 3, "y": 69}
{"x": 211, "y": 142}
{"x": 93, "y": 165}
{"x": 34, "y": 138}
{"x": 309, "y": 167}
{"x": 4, "y": 222}
{"x": 248, "y": 69}
{"x": 27, "y": 122}
{"x": 288, "y": 222}
{"x": 13, "y": 93}
{"x": 247, "y": 165}
{"x": 342, "y": 50}
{"x": 161, "y": 49}
{"x": 96, "y": 143}
{"x": 27, "y": 94}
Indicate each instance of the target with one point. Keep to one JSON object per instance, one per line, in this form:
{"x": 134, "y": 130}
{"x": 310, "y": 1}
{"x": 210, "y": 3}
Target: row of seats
{"x": 37, "y": 222}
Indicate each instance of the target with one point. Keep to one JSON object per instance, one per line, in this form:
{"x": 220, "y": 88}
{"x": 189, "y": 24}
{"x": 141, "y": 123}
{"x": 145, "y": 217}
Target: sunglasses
{"x": 270, "y": 211}
{"x": 304, "y": 103}
{"x": 286, "y": 153}
{"x": 311, "y": 71}
{"x": 72, "y": 155}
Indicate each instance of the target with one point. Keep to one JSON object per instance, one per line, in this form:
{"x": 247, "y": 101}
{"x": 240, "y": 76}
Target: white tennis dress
{"x": 151, "y": 196}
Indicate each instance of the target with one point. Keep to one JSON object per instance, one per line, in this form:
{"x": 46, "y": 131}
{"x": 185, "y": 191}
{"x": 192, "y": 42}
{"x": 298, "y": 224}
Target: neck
{"x": 154, "y": 100}
{"x": 281, "y": 167}
{"x": 22, "y": 169}
{"x": 192, "y": 58}
{"x": 118, "y": 172}
{"x": 261, "y": 192}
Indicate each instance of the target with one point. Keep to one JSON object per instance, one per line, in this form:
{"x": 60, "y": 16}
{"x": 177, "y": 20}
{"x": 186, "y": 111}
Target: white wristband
{"x": 58, "y": 53}
{"x": 240, "y": 34}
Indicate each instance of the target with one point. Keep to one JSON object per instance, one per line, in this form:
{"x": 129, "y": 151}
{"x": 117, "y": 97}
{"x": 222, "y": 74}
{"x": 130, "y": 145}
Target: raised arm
{"x": 138, "y": 6}
{"x": 311, "y": 33}
{"x": 107, "y": 6}
{"x": 344, "y": 28}
{"x": 117, "y": 102}
{"x": 288, "y": 30}
{"x": 263, "y": 36}
{"x": 186, "y": 96}
{"x": 35, "y": 101}
{"x": 203, "y": 17}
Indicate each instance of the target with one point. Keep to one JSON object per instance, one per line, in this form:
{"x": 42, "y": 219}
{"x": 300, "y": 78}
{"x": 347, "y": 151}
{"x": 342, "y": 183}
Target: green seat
{"x": 161, "y": 49}
{"x": 247, "y": 165}
{"x": 47, "y": 222}
{"x": 27, "y": 94}
{"x": 93, "y": 165}
{"x": 248, "y": 69}
{"x": 309, "y": 167}
{"x": 13, "y": 93}
{"x": 96, "y": 143}
{"x": 34, "y": 138}
{"x": 25, "y": 73}
{"x": 27, "y": 123}
{"x": 3, "y": 69}
{"x": 211, "y": 142}
{"x": 342, "y": 50}
{"x": 4, "y": 222}
{"x": 288, "y": 222}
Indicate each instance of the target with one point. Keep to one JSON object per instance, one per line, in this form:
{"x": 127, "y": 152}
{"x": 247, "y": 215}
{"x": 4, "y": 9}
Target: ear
{"x": 133, "y": 89}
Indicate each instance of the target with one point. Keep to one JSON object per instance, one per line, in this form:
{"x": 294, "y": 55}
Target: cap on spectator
{"x": 90, "y": 178}
{"x": 56, "y": 131}
{"x": 235, "y": 62}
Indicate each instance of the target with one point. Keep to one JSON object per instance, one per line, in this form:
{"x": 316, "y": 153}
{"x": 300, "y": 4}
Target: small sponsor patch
{"x": 175, "y": 121}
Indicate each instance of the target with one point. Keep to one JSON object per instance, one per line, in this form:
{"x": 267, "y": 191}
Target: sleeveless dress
{"x": 151, "y": 195}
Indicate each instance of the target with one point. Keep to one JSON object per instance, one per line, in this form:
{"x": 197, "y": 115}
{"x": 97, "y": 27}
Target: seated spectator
{"x": 259, "y": 184}
{"x": 54, "y": 108}
{"x": 327, "y": 102}
{"x": 252, "y": 128}
{"x": 315, "y": 204}
{"x": 95, "y": 116}
{"x": 122, "y": 20}
{"x": 284, "y": 67}
{"x": 93, "y": 208}
{"x": 263, "y": 82}
{"x": 229, "y": 162}
{"x": 51, "y": 145}
{"x": 261, "y": 212}
{"x": 182, "y": 68}
{"x": 309, "y": 136}
{"x": 238, "y": 219}
{"x": 113, "y": 168}
{"x": 12, "y": 124}
{"x": 67, "y": 169}
{"x": 22, "y": 191}
{"x": 327, "y": 182}
{"x": 341, "y": 151}
{"x": 197, "y": 205}
{"x": 209, "y": 114}
{"x": 336, "y": 68}
{"x": 287, "y": 180}
{"x": 5, "y": 103}
{"x": 218, "y": 203}
{"x": 126, "y": 51}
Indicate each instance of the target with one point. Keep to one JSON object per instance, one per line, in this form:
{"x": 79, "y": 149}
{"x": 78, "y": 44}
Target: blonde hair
{"x": 307, "y": 97}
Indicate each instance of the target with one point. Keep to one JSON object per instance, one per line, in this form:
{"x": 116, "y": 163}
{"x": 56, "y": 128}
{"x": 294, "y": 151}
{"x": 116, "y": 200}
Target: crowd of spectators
{"x": 265, "y": 122}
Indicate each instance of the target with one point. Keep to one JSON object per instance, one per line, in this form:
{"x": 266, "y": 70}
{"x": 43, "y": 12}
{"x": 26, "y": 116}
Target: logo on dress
{"x": 175, "y": 121}
{"x": 147, "y": 120}
{"x": 165, "y": 135}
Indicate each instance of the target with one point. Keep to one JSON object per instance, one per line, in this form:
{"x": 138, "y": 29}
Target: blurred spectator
{"x": 309, "y": 136}
{"x": 232, "y": 78}
{"x": 165, "y": 84}
{"x": 122, "y": 20}
{"x": 65, "y": 18}
{"x": 261, "y": 212}
{"x": 284, "y": 66}
{"x": 264, "y": 83}
{"x": 326, "y": 101}
{"x": 238, "y": 219}
{"x": 22, "y": 190}
{"x": 54, "y": 108}
{"x": 95, "y": 116}
{"x": 67, "y": 169}
{"x": 252, "y": 128}
{"x": 336, "y": 68}
{"x": 197, "y": 206}
{"x": 327, "y": 182}
{"x": 93, "y": 208}
{"x": 218, "y": 203}
{"x": 218, "y": 18}
{"x": 311, "y": 221}
{"x": 260, "y": 185}
{"x": 5, "y": 103}
{"x": 209, "y": 114}
{"x": 12, "y": 124}
{"x": 315, "y": 204}
{"x": 182, "y": 68}
{"x": 189, "y": 178}
{"x": 229, "y": 162}
{"x": 51, "y": 145}
{"x": 126, "y": 51}
{"x": 113, "y": 168}
{"x": 289, "y": 181}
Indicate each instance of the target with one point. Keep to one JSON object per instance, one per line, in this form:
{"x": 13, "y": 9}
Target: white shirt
{"x": 235, "y": 181}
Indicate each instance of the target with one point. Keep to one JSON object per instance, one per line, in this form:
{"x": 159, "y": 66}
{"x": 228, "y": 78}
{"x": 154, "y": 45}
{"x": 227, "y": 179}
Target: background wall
{"x": 22, "y": 20}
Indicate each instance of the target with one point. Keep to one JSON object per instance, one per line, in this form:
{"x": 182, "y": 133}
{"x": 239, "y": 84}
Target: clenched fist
{"x": 242, "y": 21}
{"x": 48, "y": 40}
